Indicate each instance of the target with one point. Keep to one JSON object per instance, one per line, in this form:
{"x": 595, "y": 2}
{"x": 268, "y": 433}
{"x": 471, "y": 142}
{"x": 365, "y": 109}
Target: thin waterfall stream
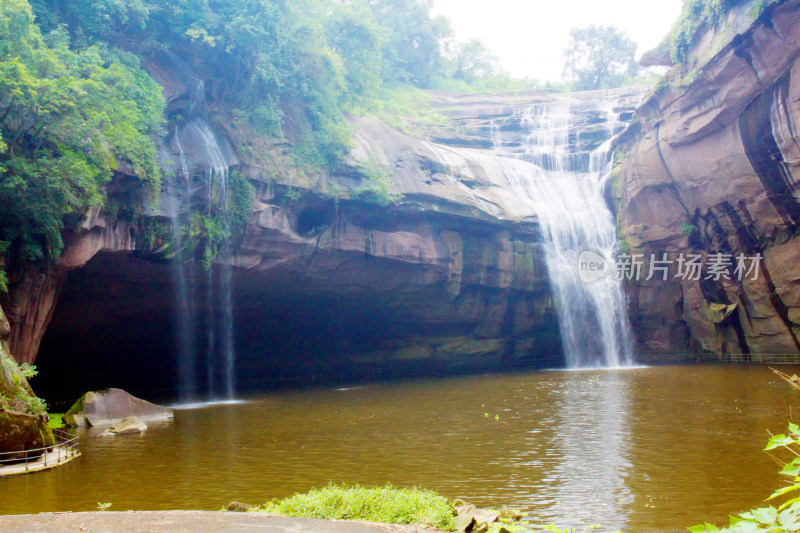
{"x": 196, "y": 153}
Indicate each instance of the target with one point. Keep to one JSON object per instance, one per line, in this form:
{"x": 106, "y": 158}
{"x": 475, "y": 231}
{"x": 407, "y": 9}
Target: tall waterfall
{"x": 195, "y": 151}
{"x": 178, "y": 188}
{"x": 564, "y": 187}
{"x": 220, "y": 352}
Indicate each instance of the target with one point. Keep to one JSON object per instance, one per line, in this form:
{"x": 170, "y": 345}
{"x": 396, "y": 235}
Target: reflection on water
{"x": 203, "y": 405}
{"x": 593, "y": 446}
{"x": 649, "y": 448}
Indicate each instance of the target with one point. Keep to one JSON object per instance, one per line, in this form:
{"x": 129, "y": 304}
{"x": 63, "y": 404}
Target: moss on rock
{"x": 23, "y": 416}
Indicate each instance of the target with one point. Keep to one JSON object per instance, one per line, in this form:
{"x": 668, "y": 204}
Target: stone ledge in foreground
{"x": 188, "y": 522}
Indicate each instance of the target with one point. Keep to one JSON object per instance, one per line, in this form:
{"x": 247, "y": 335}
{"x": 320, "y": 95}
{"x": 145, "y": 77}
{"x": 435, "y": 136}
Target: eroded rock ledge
{"x": 715, "y": 169}
{"x": 452, "y": 279}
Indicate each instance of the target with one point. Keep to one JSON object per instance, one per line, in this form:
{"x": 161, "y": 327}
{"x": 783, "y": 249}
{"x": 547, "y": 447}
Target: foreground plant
{"x": 379, "y": 504}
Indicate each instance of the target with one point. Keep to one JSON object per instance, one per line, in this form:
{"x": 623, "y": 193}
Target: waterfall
{"x": 196, "y": 151}
{"x": 220, "y": 352}
{"x": 219, "y": 292}
{"x": 564, "y": 187}
{"x": 184, "y": 301}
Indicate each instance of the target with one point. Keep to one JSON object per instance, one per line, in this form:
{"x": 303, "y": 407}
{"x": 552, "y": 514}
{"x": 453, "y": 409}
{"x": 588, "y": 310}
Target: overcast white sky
{"x": 529, "y": 36}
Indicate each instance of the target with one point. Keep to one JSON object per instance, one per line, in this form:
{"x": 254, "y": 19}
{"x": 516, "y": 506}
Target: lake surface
{"x": 641, "y": 449}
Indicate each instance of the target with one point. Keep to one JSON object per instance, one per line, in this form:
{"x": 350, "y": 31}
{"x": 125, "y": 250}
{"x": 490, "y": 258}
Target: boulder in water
{"x": 464, "y": 522}
{"x": 127, "y": 426}
{"x": 483, "y": 516}
{"x": 111, "y": 406}
{"x": 238, "y": 507}
{"x": 510, "y": 514}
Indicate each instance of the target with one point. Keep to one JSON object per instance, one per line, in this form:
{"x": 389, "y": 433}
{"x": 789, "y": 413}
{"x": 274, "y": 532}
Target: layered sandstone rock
{"x": 452, "y": 278}
{"x": 714, "y": 169}
{"x": 22, "y": 425}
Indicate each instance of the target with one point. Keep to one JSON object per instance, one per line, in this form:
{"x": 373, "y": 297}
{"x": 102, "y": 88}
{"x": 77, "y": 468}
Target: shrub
{"x": 27, "y": 370}
{"x": 56, "y": 420}
{"x": 688, "y": 229}
{"x": 379, "y": 504}
{"x": 376, "y": 189}
{"x": 696, "y": 14}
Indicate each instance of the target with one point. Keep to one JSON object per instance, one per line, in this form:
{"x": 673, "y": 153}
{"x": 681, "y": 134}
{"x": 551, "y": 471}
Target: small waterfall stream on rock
{"x": 221, "y": 350}
{"x": 564, "y": 187}
{"x": 184, "y": 296}
{"x": 194, "y": 151}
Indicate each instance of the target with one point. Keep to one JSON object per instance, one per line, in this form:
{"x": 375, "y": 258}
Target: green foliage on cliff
{"x": 375, "y": 190}
{"x": 387, "y": 505}
{"x": 66, "y": 118}
{"x": 3, "y": 276}
{"x": 207, "y": 233}
{"x": 76, "y": 104}
{"x": 242, "y": 196}
{"x": 15, "y": 392}
{"x": 290, "y": 67}
{"x": 276, "y": 61}
{"x": 696, "y": 16}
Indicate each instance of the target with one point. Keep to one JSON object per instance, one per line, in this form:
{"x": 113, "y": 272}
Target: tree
{"x": 66, "y": 119}
{"x": 412, "y": 50}
{"x": 599, "y": 57}
{"x": 472, "y": 61}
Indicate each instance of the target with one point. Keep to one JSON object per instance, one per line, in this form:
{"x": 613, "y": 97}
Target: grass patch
{"x": 397, "y": 103}
{"x": 56, "y": 420}
{"x": 387, "y": 504}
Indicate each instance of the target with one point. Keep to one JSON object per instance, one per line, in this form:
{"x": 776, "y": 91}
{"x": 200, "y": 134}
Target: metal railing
{"x": 66, "y": 448}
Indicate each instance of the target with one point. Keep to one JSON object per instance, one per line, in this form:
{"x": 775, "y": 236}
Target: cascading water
{"x": 184, "y": 301}
{"x": 206, "y": 153}
{"x": 221, "y": 348}
{"x": 564, "y": 188}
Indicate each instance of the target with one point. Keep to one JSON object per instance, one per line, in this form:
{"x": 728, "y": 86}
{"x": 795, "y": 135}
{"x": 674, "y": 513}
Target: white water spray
{"x": 204, "y": 148}
{"x": 564, "y": 188}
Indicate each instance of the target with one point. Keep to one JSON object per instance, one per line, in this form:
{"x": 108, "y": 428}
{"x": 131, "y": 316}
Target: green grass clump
{"x": 387, "y": 504}
{"x": 56, "y": 420}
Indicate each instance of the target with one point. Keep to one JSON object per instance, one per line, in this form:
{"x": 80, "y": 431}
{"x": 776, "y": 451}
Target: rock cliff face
{"x": 714, "y": 169}
{"x": 23, "y": 423}
{"x": 451, "y": 279}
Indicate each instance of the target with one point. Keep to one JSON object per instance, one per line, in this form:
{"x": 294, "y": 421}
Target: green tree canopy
{"x": 75, "y": 102}
{"x": 472, "y": 61}
{"x": 412, "y": 49}
{"x": 599, "y": 57}
{"x": 66, "y": 120}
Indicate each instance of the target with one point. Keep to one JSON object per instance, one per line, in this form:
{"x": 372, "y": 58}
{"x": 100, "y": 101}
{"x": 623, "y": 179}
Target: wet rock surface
{"x": 471, "y": 519}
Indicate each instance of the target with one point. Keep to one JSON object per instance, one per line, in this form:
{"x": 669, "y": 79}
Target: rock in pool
{"x": 104, "y": 408}
{"x": 126, "y": 426}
